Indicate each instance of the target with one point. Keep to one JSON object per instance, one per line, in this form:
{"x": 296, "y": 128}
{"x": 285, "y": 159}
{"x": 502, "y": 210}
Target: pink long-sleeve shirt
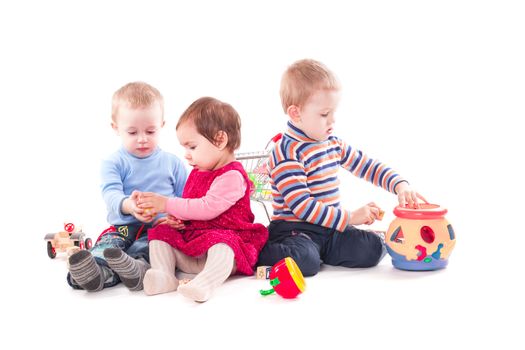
{"x": 224, "y": 192}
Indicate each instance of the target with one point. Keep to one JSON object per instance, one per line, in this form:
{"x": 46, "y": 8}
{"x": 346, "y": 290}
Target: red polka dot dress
{"x": 234, "y": 227}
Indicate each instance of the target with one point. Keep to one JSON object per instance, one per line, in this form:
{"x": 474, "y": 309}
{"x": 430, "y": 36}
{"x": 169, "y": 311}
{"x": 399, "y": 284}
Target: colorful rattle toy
{"x": 420, "y": 239}
{"x": 286, "y": 279}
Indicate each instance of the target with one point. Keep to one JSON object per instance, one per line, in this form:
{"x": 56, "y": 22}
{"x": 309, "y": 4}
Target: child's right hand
{"x": 143, "y": 217}
{"x": 129, "y": 206}
{"x": 365, "y": 215}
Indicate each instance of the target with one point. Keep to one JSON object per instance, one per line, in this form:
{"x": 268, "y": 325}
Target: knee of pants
{"x": 308, "y": 265}
{"x": 369, "y": 261}
{"x": 304, "y": 253}
{"x": 139, "y": 249}
{"x": 307, "y": 258}
{"x": 370, "y": 257}
{"x": 358, "y": 248}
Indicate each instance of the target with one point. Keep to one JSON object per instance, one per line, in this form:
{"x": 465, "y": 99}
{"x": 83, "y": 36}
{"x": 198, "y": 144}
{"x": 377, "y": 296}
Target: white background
{"x": 434, "y": 89}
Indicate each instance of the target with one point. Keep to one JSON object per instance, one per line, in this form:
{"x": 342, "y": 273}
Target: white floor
{"x": 477, "y": 300}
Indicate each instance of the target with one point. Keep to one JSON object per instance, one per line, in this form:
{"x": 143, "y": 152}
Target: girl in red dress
{"x": 210, "y": 230}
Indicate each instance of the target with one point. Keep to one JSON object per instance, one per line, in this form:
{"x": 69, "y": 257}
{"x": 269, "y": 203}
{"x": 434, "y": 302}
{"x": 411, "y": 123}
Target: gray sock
{"x": 85, "y": 271}
{"x": 131, "y": 271}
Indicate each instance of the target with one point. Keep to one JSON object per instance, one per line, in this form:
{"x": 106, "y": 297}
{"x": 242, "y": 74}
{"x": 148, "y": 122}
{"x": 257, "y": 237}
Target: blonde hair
{"x": 302, "y": 79}
{"x": 136, "y": 95}
{"x": 210, "y": 116}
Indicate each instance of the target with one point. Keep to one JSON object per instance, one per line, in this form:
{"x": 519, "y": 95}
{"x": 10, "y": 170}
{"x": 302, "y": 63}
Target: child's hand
{"x": 129, "y": 206}
{"x": 408, "y": 197}
{"x": 135, "y": 196}
{"x": 153, "y": 202}
{"x": 365, "y": 215}
{"x": 171, "y": 221}
{"x": 144, "y": 218}
{"x": 175, "y": 223}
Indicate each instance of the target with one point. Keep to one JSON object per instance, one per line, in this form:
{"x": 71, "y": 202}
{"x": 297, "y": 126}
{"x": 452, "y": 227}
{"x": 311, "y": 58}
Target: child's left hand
{"x": 408, "y": 197}
{"x": 152, "y": 202}
{"x": 171, "y": 221}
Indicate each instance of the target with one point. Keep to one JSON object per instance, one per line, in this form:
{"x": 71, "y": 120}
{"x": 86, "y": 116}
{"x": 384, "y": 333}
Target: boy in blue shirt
{"x": 139, "y": 165}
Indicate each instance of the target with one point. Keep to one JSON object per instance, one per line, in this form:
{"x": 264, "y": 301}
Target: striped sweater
{"x": 304, "y": 179}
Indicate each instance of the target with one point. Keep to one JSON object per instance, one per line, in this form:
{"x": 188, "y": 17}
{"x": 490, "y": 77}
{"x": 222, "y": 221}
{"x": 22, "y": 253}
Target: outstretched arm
{"x": 368, "y": 169}
{"x": 224, "y": 192}
{"x": 372, "y": 170}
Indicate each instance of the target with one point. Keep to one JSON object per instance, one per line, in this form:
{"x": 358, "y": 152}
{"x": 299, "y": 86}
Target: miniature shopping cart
{"x": 255, "y": 164}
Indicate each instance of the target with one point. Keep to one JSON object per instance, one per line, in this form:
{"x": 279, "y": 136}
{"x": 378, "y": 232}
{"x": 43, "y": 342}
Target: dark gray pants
{"x": 311, "y": 245}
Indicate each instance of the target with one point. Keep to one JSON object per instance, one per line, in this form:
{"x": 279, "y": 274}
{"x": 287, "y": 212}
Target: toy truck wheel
{"x": 88, "y": 243}
{"x": 51, "y": 251}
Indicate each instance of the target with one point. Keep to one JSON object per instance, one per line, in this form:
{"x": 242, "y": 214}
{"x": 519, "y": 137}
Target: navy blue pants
{"x": 132, "y": 239}
{"x": 312, "y": 245}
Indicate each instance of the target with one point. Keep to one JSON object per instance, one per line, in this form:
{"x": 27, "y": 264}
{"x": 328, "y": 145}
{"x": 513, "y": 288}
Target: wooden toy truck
{"x": 70, "y": 237}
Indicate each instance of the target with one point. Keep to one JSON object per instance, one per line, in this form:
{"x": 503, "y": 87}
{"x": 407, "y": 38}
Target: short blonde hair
{"x": 302, "y": 79}
{"x": 136, "y": 95}
{"x": 210, "y": 116}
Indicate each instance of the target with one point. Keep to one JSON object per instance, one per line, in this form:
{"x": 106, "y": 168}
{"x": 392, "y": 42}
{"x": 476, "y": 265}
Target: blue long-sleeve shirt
{"x": 122, "y": 173}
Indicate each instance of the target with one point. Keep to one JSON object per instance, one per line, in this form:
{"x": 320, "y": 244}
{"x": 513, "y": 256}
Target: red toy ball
{"x": 286, "y": 279}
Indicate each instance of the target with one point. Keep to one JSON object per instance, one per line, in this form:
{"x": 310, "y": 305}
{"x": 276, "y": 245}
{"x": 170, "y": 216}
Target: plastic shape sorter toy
{"x": 420, "y": 239}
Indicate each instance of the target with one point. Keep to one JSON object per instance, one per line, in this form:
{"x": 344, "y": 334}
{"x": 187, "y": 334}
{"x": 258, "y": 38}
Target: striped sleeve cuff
{"x": 343, "y": 223}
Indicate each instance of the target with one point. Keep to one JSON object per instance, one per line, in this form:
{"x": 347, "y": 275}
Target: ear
{"x": 294, "y": 112}
{"x": 221, "y": 140}
{"x": 114, "y": 126}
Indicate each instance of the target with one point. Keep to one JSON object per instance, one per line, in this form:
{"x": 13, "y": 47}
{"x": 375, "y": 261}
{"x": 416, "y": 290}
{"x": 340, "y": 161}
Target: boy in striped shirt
{"x": 308, "y": 223}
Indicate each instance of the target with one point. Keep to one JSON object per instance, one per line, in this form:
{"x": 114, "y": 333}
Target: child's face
{"x": 199, "y": 151}
{"x": 316, "y": 117}
{"x": 139, "y": 128}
